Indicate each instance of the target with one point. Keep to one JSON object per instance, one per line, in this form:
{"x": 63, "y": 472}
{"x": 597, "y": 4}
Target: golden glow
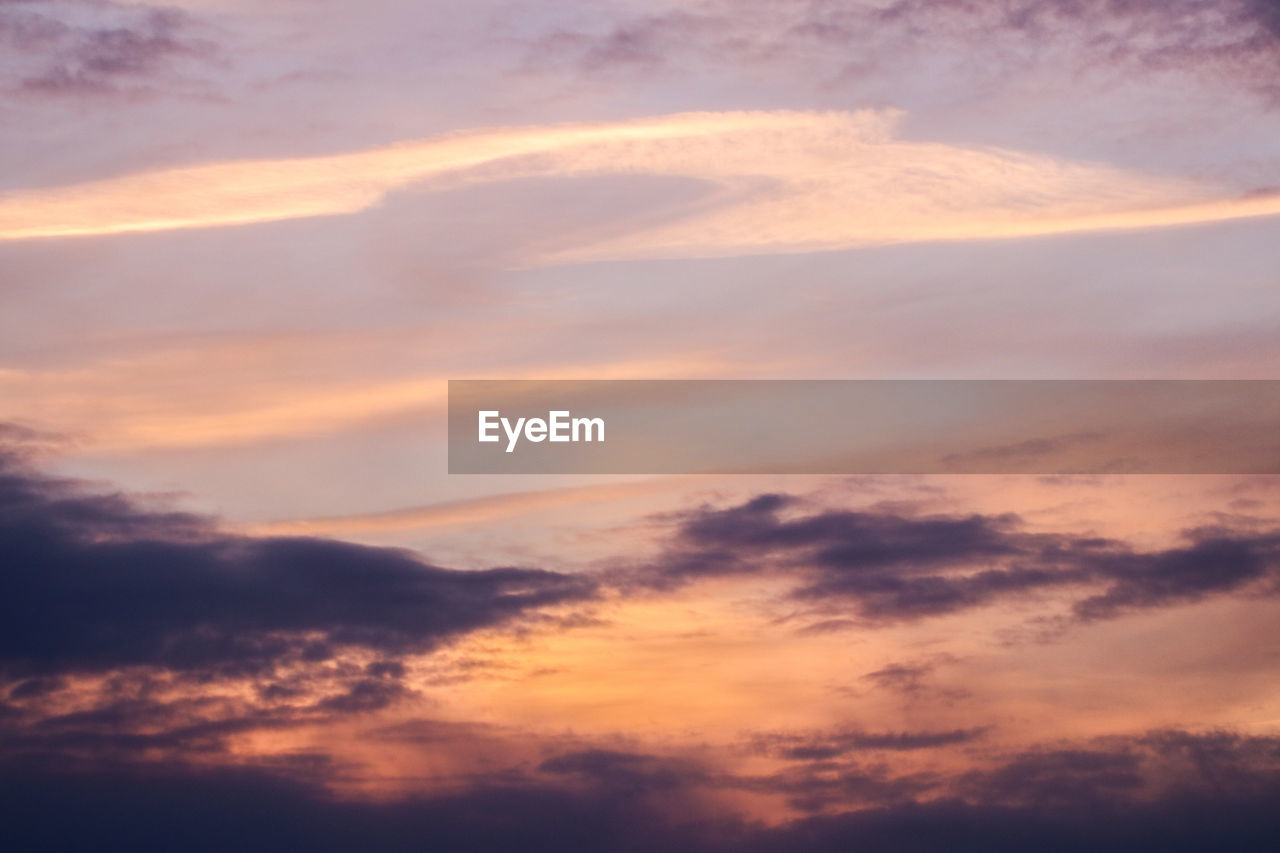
{"x": 236, "y": 193}
{"x": 240, "y": 393}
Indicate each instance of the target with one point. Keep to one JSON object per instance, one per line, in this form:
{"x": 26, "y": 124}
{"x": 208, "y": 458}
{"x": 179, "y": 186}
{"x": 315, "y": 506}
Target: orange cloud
{"x": 244, "y": 391}
{"x": 783, "y": 182}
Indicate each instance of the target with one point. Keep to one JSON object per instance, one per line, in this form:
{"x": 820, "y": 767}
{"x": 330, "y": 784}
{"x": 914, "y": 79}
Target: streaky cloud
{"x": 778, "y": 181}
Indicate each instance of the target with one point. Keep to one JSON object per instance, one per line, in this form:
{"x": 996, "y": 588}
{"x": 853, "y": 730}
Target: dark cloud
{"x": 843, "y": 545}
{"x": 1151, "y": 32}
{"x": 850, "y": 540}
{"x": 1171, "y": 790}
{"x": 103, "y": 736}
{"x": 824, "y": 785}
{"x": 39, "y": 686}
{"x": 366, "y": 695}
{"x": 1266, "y": 13}
{"x": 1182, "y": 574}
{"x": 1223, "y": 761}
{"x": 386, "y": 669}
{"x": 844, "y": 43}
{"x": 115, "y": 618}
{"x": 1074, "y": 777}
{"x": 249, "y": 811}
{"x": 895, "y": 566}
{"x": 85, "y": 47}
{"x": 1186, "y": 825}
{"x": 822, "y": 746}
{"x": 905, "y": 677}
{"x": 632, "y": 772}
{"x": 141, "y": 718}
{"x": 94, "y": 582}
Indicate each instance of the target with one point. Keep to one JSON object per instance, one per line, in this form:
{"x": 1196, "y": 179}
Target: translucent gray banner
{"x": 864, "y": 426}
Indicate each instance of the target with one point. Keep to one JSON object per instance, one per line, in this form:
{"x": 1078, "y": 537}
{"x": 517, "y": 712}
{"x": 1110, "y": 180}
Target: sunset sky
{"x": 244, "y": 246}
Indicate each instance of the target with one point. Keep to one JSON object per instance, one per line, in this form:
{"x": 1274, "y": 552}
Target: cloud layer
{"x": 782, "y": 182}
{"x": 160, "y": 677}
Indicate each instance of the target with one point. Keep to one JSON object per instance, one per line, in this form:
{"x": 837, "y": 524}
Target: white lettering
{"x": 513, "y": 435}
{"x": 486, "y": 424}
{"x": 559, "y": 426}
{"x": 559, "y": 421}
{"x": 587, "y": 424}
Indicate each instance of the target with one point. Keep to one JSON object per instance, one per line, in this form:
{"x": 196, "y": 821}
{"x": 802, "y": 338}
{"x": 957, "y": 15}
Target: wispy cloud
{"x": 783, "y": 182}
{"x": 128, "y": 401}
{"x": 83, "y": 47}
{"x": 468, "y": 511}
{"x": 842, "y": 44}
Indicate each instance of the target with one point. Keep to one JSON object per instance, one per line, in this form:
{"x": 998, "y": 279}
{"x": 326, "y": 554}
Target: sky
{"x": 244, "y": 246}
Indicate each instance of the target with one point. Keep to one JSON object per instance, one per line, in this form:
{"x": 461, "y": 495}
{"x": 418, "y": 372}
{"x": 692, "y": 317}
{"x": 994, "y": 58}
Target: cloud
{"x": 837, "y": 43}
{"x": 827, "y": 745}
{"x": 80, "y": 47}
{"x": 368, "y": 694}
{"x": 171, "y": 649}
{"x": 1113, "y": 793}
{"x": 135, "y": 635}
{"x": 94, "y": 582}
{"x": 850, "y": 539}
{"x": 1155, "y": 798}
{"x": 146, "y": 401}
{"x": 468, "y": 510}
{"x": 130, "y": 730}
{"x": 899, "y": 566}
{"x": 1174, "y": 825}
{"x": 1267, "y": 14}
{"x": 608, "y": 769}
{"x": 637, "y": 44}
{"x": 906, "y": 677}
{"x": 252, "y": 810}
{"x": 1212, "y": 566}
{"x": 1062, "y": 777}
{"x": 18, "y": 442}
{"x": 777, "y": 182}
